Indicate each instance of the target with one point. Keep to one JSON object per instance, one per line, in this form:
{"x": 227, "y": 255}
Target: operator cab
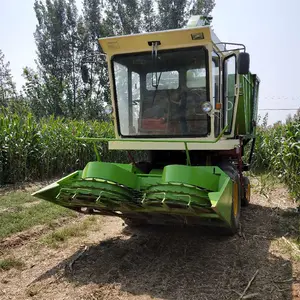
{"x": 162, "y": 95}
{"x": 177, "y": 83}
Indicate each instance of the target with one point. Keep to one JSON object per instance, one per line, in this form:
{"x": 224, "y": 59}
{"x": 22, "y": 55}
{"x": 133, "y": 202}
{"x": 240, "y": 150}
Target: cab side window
{"x": 229, "y": 73}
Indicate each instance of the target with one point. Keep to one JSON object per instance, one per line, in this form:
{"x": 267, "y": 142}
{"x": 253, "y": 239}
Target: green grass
{"x": 291, "y": 247}
{"x": 15, "y": 199}
{"x": 9, "y": 263}
{"x": 18, "y": 218}
{"x": 297, "y": 242}
{"x": 60, "y": 236}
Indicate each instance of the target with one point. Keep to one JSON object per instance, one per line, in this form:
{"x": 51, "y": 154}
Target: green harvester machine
{"x": 189, "y": 102}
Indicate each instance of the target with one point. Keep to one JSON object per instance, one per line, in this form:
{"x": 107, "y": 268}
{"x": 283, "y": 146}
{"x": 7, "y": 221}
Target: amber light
{"x": 198, "y": 36}
{"x": 218, "y": 106}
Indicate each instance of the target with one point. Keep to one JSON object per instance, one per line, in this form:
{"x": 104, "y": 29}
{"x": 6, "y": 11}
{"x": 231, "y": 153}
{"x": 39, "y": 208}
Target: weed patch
{"x": 15, "y": 199}
{"x": 41, "y": 214}
{"x": 59, "y": 236}
{"x": 10, "y": 263}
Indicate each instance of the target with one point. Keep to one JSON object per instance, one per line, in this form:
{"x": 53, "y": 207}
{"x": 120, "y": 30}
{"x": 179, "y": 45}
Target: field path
{"x": 114, "y": 262}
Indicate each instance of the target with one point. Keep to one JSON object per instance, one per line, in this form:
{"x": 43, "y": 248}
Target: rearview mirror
{"x": 243, "y": 63}
{"x": 85, "y": 74}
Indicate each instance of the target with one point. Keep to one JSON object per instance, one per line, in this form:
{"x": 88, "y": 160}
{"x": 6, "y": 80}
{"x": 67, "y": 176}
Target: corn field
{"x": 38, "y": 150}
{"x": 278, "y": 151}
{"x": 43, "y": 149}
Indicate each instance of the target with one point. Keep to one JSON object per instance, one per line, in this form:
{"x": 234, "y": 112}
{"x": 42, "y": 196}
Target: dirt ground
{"x": 113, "y": 261}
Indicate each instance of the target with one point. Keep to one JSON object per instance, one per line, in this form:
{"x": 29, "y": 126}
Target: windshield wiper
{"x": 154, "y": 60}
{"x": 156, "y": 88}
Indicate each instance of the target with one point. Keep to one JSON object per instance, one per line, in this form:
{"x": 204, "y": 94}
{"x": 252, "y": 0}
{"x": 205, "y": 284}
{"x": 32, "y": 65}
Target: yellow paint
{"x": 235, "y": 199}
{"x": 248, "y": 192}
{"x": 169, "y": 39}
{"x": 220, "y": 145}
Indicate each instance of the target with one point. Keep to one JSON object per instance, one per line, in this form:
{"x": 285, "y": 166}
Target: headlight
{"x": 108, "y": 109}
{"x": 206, "y": 107}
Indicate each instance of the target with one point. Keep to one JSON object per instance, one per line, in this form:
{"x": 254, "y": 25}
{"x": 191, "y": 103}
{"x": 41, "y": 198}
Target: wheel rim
{"x": 235, "y": 199}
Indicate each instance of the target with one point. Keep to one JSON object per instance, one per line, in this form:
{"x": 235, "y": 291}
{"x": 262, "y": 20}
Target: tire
{"x": 246, "y": 192}
{"x": 236, "y": 206}
{"x": 232, "y": 172}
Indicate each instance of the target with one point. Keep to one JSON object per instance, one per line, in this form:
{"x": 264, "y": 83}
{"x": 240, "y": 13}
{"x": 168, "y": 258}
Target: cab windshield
{"x": 162, "y": 95}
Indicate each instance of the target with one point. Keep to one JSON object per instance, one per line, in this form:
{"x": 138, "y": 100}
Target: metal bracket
{"x": 242, "y": 46}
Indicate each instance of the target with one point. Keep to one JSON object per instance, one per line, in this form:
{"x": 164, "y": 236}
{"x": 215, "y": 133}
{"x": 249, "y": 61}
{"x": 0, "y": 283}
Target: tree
{"x": 122, "y": 17}
{"x": 7, "y": 86}
{"x": 73, "y": 81}
{"x": 172, "y": 14}
{"x": 37, "y": 93}
{"x": 58, "y": 61}
{"x": 149, "y": 17}
{"x": 90, "y": 28}
{"x": 175, "y": 14}
{"x": 65, "y": 39}
{"x": 202, "y": 7}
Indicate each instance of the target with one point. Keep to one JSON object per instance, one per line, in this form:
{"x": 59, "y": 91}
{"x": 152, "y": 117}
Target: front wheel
{"x": 232, "y": 172}
{"x": 236, "y": 206}
{"x": 246, "y": 192}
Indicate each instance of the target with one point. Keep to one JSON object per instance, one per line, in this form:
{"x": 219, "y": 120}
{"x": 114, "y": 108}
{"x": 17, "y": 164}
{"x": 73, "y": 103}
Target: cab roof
{"x": 168, "y": 39}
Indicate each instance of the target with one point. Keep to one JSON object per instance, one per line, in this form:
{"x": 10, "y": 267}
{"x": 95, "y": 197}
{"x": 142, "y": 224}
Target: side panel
{"x": 247, "y": 107}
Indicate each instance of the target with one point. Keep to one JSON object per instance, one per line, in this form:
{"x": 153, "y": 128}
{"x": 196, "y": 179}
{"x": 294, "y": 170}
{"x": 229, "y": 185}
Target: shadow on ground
{"x": 183, "y": 264}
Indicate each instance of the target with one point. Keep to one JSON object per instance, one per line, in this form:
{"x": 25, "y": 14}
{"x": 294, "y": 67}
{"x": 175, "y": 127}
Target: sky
{"x": 268, "y": 28}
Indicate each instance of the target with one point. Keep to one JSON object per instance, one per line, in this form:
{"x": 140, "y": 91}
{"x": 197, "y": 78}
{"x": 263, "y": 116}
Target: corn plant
{"x": 32, "y": 149}
{"x": 278, "y": 151}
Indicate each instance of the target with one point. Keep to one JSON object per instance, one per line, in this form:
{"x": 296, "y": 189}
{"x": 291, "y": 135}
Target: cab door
{"x": 230, "y": 92}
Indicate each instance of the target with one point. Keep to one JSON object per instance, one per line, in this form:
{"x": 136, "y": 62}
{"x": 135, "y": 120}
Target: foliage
{"x": 58, "y": 65}
{"x": 7, "y": 86}
{"x": 172, "y": 13}
{"x": 10, "y": 263}
{"x": 32, "y": 149}
{"x": 77, "y": 229}
{"x": 20, "y": 211}
{"x": 134, "y": 16}
{"x": 278, "y": 151}
{"x": 202, "y": 7}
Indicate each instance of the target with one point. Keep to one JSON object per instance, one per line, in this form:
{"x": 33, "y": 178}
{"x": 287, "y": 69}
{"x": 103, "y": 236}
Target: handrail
{"x": 154, "y": 140}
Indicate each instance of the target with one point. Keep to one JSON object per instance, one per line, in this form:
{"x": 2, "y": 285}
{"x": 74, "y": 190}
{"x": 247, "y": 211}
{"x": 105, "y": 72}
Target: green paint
{"x": 202, "y": 192}
{"x": 204, "y": 177}
{"x": 188, "y": 159}
{"x": 247, "y": 105}
{"x": 110, "y": 172}
{"x": 222, "y": 200}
